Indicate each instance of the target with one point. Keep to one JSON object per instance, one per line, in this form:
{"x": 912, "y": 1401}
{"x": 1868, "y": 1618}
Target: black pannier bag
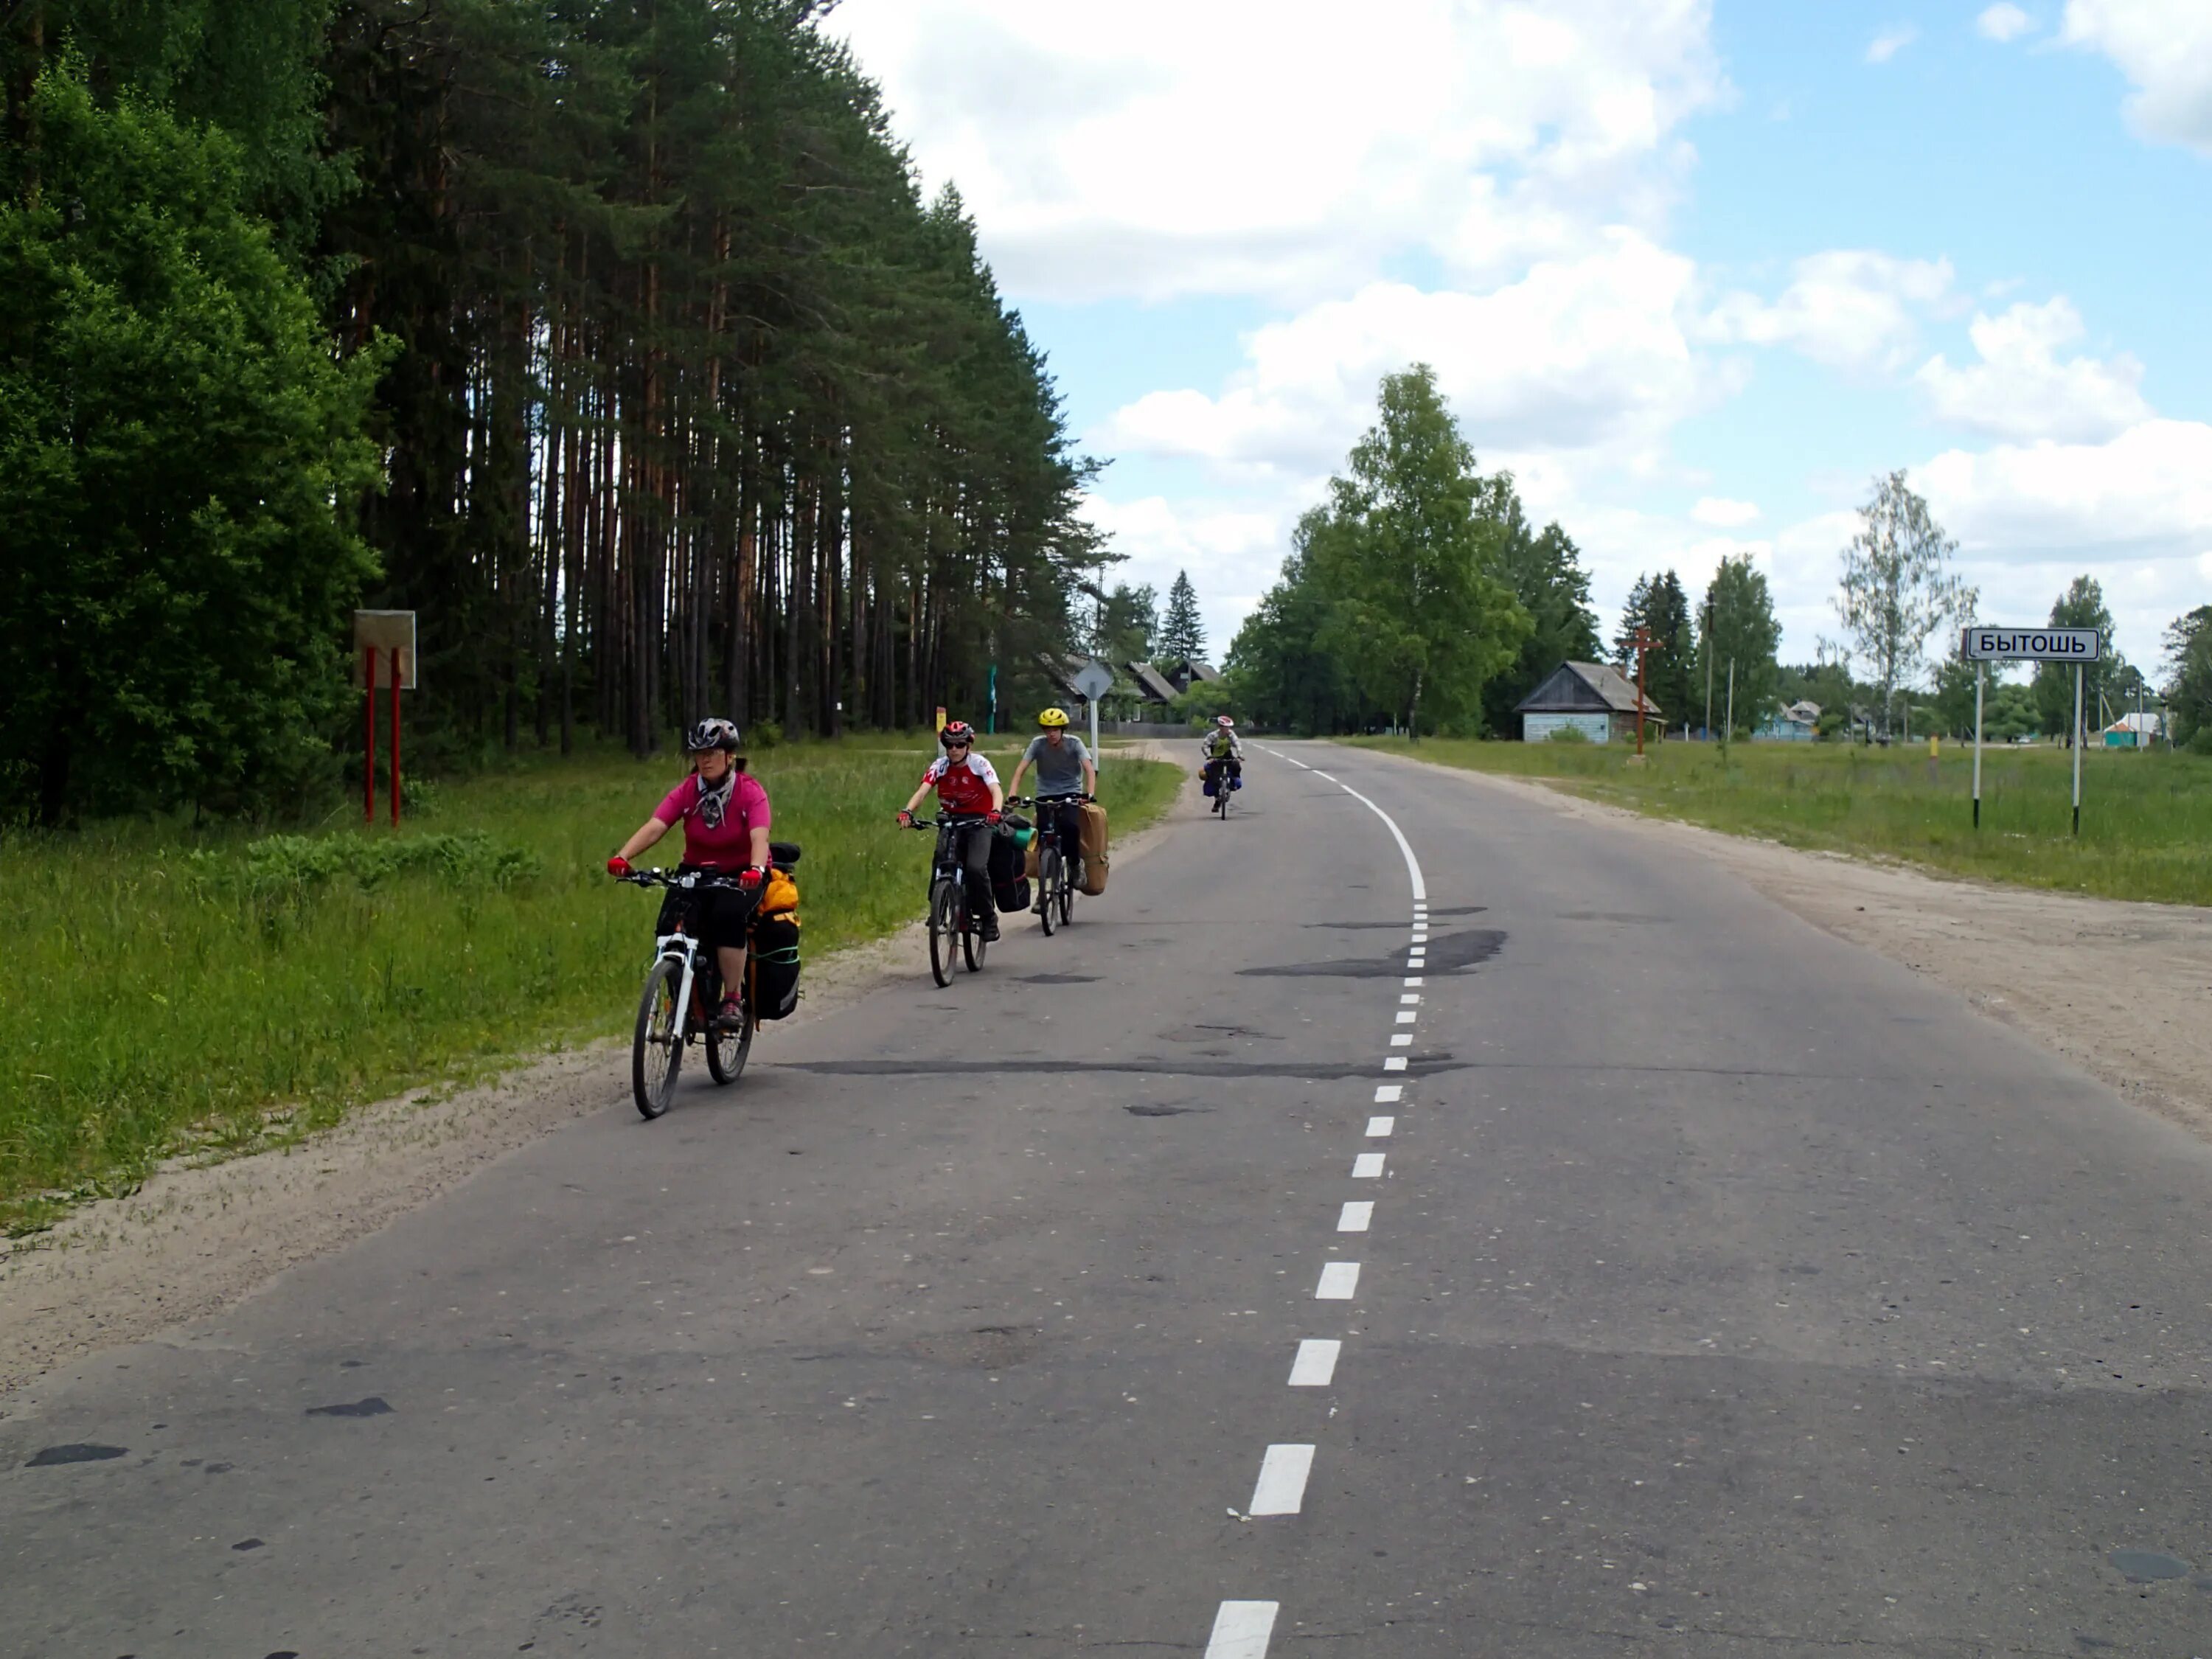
{"x": 1009, "y": 886}
{"x": 774, "y": 966}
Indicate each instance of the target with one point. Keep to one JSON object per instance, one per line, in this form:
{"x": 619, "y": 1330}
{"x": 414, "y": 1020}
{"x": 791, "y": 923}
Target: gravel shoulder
{"x": 2116, "y": 988}
{"x": 197, "y": 1238}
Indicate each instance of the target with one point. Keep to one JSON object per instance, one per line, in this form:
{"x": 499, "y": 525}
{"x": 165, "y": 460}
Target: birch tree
{"x": 1897, "y": 587}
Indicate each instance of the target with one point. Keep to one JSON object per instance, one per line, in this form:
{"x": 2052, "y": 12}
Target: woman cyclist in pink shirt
{"x": 725, "y": 815}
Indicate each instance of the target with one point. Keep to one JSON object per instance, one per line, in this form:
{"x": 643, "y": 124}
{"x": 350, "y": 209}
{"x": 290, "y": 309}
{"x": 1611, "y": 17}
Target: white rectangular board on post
{"x": 2080, "y": 645}
{"x": 2075, "y": 645}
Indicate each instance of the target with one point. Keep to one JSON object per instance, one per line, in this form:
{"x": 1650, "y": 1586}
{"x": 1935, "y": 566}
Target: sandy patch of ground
{"x": 2118, "y": 988}
{"x": 194, "y": 1240}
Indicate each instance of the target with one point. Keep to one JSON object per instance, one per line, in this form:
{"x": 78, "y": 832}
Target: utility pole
{"x": 1709, "y": 670}
{"x": 1730, "y": 739}
{"x": 1642, "y": 645}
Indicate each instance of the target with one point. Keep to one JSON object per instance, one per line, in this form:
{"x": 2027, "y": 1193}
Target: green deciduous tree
{"x": 1418, "y": 616}
{"x": 1182, "y": 633}
{"x": 1738, "y": 627}
{"x": 179, "y": 457}
{"x": 2082, "y": 605}
{"x": 2189, "y": 667}
{"x": 1545, "y": 574}
{"x": 1898, "y": 587}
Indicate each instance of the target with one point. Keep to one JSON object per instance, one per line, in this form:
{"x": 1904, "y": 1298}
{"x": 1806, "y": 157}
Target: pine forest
{"x": 615, "y": 337}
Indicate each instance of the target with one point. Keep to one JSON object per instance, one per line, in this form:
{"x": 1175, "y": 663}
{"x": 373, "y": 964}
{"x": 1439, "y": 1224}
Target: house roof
{"x": 1062, "y": 672}
{"x": 1186, "y": 670}
{"x": 1149, "y": 682}
{"x": 1585, "y": 688}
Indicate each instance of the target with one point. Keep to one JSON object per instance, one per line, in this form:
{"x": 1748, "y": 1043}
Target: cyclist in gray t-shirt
{"x": 1064, "y": 767}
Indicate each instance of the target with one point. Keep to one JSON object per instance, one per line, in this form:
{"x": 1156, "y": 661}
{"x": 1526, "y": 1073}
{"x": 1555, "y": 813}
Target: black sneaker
{"x": 991, "y": 929}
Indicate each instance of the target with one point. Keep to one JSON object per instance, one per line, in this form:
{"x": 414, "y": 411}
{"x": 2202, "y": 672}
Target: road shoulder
{"x": 197, "y": 1239}
{"x": 2118, "y": 988}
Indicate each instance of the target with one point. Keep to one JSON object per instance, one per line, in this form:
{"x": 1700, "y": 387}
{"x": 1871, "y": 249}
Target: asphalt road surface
{"x": 1520, "y": 1243}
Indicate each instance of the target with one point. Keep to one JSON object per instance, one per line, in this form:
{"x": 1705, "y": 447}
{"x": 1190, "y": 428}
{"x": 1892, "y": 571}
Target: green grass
{"x": 166, "y": 991}
{"x": 2145, "y": 818}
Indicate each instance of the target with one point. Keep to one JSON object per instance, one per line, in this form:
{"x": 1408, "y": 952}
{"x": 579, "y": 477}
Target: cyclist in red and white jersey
{"x": 967, "y": 786}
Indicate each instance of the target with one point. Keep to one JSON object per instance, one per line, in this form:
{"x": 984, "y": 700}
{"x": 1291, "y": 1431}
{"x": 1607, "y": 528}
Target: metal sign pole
{"x": 1981, "y": 671}
{"x": 2077, "y": 748}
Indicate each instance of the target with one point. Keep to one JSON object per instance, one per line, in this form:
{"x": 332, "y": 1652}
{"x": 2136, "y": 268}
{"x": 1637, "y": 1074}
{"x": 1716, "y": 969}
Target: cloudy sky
{"x": 1695, "y": 272}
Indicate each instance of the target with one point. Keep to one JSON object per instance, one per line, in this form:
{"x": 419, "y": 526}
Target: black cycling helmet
{"x": 957, "y": 732}
{"x": 714, "y": 734}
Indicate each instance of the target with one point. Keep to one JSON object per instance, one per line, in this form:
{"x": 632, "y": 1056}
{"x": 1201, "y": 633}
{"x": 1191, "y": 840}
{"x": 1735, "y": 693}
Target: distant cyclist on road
{"x": 1224, "y": 756}
{"x": 1065, "y": 772}
{"x": 967, "y": 786}
{"x": 725, "y": 814}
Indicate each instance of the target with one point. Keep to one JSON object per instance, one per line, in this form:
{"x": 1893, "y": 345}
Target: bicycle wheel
{"x": 1067, "y": 896}
{"x": 1048, "y": 871}
{"x": 657, "y": 1050}
{"x": 971, "y": 937}
{"x": 726, "y": 1050}
{"x": 944, "y": 920}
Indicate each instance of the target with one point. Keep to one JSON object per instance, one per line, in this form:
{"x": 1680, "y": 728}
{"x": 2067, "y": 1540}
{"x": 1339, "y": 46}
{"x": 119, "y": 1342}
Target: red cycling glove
{"x": 751, "y": 876}
{"x": 618, "y": 866}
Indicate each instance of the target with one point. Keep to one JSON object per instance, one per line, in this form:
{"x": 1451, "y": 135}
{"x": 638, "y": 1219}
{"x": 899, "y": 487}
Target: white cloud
{"x": 2164, "y": 48}
{"x": 2147, "y": 491}
{"x": 1848, "y": 308}
{"x": 1232, "y": 554}
{"x": 1723, "y": 514}
{"x": 1285, "y": 150}
{"x": 2020, "y": 388}
{"x": 1886, "y": 45}
{"x": 2004, "y": 21}
{"x": 1579, "y": 354}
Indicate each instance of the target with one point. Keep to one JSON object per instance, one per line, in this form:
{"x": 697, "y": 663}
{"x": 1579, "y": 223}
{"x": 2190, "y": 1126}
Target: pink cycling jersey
{"x": 729, "y": 846}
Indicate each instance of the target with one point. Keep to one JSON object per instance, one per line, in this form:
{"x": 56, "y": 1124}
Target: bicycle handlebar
{"x": 949, "y": 820}
{"x": 680, "y": 878}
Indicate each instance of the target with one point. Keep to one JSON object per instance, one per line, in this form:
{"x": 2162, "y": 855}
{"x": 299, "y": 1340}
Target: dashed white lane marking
{"x": 1316, "y": 1364}
{"x": 1388, "y": 1093}
{"x": 1282, "y": 1484}
{"x": 1339, "y": 1280}
{"x": 1378, "y": 1127}
{"x": 1241, "y": 1630}
{"x": 1402, "y": 1040}
{"x": 1411, "y": 1000}
{"x": 1395, "y": 1063}
{"x": 1413, "y": 980}
{"x": 1420, "y": 937}
{"x": 1368, "y": 1166}
{"x": 1318, "y": 773}
{"x": 1407, "y": 1016}
{"x": 1357, "y": 1216}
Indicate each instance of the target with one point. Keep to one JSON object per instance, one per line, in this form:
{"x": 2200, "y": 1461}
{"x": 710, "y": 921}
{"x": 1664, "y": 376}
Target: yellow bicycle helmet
{"x": 1052, "y": 718}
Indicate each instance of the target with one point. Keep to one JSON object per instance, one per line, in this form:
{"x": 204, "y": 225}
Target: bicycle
{"x": 950, "y": 915}
{"x": 1224, "y": 783}
{"x": 682, "y": 991}
{"x": 1058, "y": 879}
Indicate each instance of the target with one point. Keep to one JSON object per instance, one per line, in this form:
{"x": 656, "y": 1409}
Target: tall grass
{"x": 2145, "y": 818}
{"x": 164, "y": 990}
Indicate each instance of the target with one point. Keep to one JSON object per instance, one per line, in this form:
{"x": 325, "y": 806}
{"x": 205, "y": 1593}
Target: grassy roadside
{"x": 2146, "y": 819}
{"x": 166, "y": 991}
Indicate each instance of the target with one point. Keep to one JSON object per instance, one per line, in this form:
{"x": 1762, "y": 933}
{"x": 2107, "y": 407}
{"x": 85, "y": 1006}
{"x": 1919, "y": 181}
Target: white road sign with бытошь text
{"x": 2034, "y": 645}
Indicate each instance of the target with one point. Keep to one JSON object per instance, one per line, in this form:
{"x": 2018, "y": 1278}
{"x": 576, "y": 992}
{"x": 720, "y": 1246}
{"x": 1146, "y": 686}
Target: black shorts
{"x": 716, "y": 916}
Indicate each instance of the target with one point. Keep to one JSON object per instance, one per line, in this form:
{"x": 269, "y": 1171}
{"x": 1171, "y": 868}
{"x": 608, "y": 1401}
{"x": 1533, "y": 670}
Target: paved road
{"x": 1725, "y": 1292}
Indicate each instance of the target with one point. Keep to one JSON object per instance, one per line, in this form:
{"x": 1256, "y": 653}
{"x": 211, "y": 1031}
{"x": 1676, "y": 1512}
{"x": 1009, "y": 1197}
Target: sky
{"x": 1696, "y": 272}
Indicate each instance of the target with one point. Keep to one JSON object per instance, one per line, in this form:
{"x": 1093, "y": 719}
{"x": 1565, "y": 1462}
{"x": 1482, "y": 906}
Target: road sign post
{"x": 2079, "y": 646}
{"x": 390, "y": 634}
{"x": 1093, "y": 681}
{"x": 1981, "y": 673}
